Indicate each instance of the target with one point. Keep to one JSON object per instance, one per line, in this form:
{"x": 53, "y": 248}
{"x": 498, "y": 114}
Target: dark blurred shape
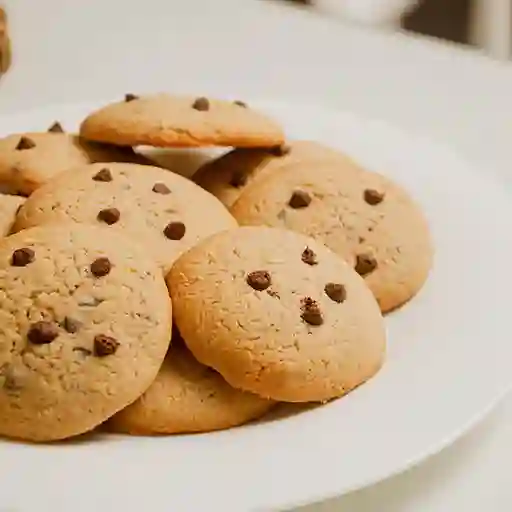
{"x": 446, "y": 19}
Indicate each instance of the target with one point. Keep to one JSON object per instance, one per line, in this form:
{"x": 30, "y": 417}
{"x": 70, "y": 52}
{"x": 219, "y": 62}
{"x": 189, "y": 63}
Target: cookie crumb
{"x": 130, "y": 97}
{"x": 103, "y": 175}
{"x": 109, "y": 216}
{"x": 175, "y": 230}
{"x": 202, "y": 104}
{"x": 311, "y": 313}
{"x": 22, "y": 257}
{"x": 71, "y": 325}
{"x": 309, "y": 256}
{"x": 25, "y": 143}
{"x": 87, "y": 301}
{"x": 42, "y": 333}
{"x": 240, "y": 103}
{"x": 101, "y": 267}
{"x": 336, "y": 292}
{"x": 299, "y": 199}
{"x": 161, "y": 188}
{"x": 365, "y": 264}
{"x": 373, "y": 197}
{"x": 259, "y": 280}
{"x": 105, "y": 345}
{"x": 274, "y": 294}
{"x": 56, "y": 128}
{"x": 281, "y": 150}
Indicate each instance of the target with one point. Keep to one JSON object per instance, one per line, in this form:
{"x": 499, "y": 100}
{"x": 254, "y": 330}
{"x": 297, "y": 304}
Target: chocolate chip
{"x": 299, "y": 199}
{"x": 238, "y": 179}
{"x": 373, "y": 197}
{"x": 281, "y": 150}
{"x": 309, "y": 256}
{"x": 109, "y": 216}
{"x": 42, "y": 333}
{"x": 201, "y": 104}
{"x": 71, "y": 325}
{"x": 161, "y": 188}
{"x": 259, "y": 280}
{"x": 311, "y": 313}
{"x": 130, "y": 97}
{"x": 240, "y": 103}
{"x": 105, "y": 345}
{"x": 365, "y": 264}
{"x": 175, "y": 230}
{"x": 101, "y": 267}
{"x": 22, "y": 257}
{"x": 25, "y": 143}
{"x": 336, "y": 292}
{"x": 103, "y": 175}
{"x": 56, "y": 128}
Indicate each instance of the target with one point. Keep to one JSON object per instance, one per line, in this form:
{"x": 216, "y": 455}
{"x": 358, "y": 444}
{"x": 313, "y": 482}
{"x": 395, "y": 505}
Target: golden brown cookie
{"x": 85, "y": 322}
{"x": 9, "y": 206}
{"x": 164, "y": 212}
{"x": 187, "y": 396}
{"x": 228, "y": 176}
{"x": 362, "y": 216}
{"x": 29, "y": 160}
{"x": 164, "y": 120}
{"x": 277, "y": 314}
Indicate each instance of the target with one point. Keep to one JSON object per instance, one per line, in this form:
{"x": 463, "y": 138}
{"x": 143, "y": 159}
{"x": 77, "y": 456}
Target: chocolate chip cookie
{"x": 85, "y": 323}
{"x": 164, "y": 120}
{"x": 277, "y": 314}
{"x": 362, "y": 216}
{"x": 159, "y": 209}
{"x": 187, "y": 396}
{"x": 228, "y": 176}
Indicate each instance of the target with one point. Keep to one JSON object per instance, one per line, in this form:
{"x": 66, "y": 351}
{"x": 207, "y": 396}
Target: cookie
{"x": 9, "y": 206}
{"x": 187, "y": 396}
{"x": 29, "y": 160}
{"x": 277, "y": 314}
{"x": 159, "y": 209}
{"x": 85, "y": 323}
{"x": 164, "y": 120}
{"x": 362, "y": 216}
{"x": 226, "y": 177}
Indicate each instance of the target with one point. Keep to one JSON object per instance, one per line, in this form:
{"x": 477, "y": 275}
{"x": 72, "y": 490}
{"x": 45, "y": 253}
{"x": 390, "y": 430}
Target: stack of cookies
{"x": 138, "y": 300}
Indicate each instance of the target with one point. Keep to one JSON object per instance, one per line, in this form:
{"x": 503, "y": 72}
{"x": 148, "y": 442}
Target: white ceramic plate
{"x": 448, "y": 364}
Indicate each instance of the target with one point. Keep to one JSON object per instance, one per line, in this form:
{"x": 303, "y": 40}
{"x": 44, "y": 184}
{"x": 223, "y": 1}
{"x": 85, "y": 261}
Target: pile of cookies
{"x": 142, "y": 302}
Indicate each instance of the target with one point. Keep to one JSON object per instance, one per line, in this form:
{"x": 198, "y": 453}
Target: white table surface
{"x": 69, "y": 51}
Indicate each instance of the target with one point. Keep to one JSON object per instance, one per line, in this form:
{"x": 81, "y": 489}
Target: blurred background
{"x": 486, "y": 24}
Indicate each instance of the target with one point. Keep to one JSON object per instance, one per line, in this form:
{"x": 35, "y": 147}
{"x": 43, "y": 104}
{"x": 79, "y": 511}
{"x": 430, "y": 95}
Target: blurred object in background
{"x": 485, "y": 24}
{"x": 5, "y": 43}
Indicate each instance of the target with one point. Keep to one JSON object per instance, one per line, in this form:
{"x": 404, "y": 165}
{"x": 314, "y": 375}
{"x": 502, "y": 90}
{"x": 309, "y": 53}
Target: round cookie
{"x": 277, "y": 314}
{"x": 228, "y": 176}
{"x": 362, "y": 216}
{"x": 29, "y": 160}
{"x": 165, "y": 212}
{"x": 85, "y": 323}
{"x": 164, "y": 120}
{"x": 9, "y": 206}
{"x": 187, "y": 396}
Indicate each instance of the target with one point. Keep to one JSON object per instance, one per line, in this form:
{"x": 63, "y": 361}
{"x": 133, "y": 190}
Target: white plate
{"x": 448, "y": 364}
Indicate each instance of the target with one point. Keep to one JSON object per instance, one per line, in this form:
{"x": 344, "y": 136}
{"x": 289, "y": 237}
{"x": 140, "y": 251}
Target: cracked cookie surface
{"x": 9, "y": 206}
{"x": 163, "y": 211}
{"x": 85, "y": 322}
{"x": 164, "y": 120}
{"x": 277, "y": 314}
{"x": 362, "y": 216}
